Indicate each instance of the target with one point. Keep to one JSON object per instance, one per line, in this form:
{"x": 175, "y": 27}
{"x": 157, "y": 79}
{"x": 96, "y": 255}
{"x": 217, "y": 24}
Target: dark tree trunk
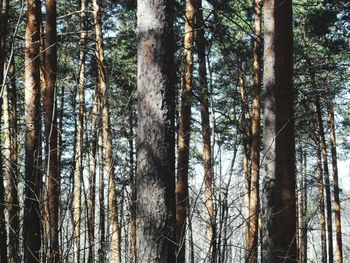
{"x": 50, "y": 116}
{"x": 33, "y": 176}
{"x": 279, "y": 200}
{"x": 155, "y": 136}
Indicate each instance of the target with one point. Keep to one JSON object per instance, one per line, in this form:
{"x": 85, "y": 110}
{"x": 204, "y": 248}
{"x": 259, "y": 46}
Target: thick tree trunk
{"x": 33, "y": 176}
{"x": 254, "y": 204}
{"x": 50, "y": 116}
{"x": 184, "y": 132}
{"x": 107, "y": 138}
{"x": 279, "y": 200}
{"x": 332, "y": 139}
{"x": 155, "y": 137}
{"x": 206, "y": 133}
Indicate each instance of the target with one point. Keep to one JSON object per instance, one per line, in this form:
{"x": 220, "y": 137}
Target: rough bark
{"x": 206, "y": 133}
{"x": 254, "y": 204}
{"x": 50, "y": 116}
{"x": 184, "y": 132}
{"x": 336, "y": 205}
{"x": 107, "y": 138}
{"x": 33, "y": 176}
{"x": 279, "y": 200}
{"x": 155, "y": 136}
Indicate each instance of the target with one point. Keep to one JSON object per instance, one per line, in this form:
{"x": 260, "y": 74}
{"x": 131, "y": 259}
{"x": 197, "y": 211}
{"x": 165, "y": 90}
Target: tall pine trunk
{"x": 279, "y": 200}
{"x": 33, "y": 177}
{"x": 107, "y": 137}
{"x": 155, "y": 137}
{"x": 332, "y": 139}
{"x": 321, "y": 199}
{"x": 206, "y": 133}
{"x": 254, "y": 203}
{"x": 13, "y": 202}
{"x": 184, "y": 132}
{"x": 50, "y": 116}
{"x": 326, "y": 177}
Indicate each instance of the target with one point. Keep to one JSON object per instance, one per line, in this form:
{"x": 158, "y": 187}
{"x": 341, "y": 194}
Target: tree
{"x": 279, "y": 201}
{"x": 332, "y": 138}
{"x": 254, "y": 202}
{"x": 184, "y": 132}
{"x": 206, "y": 133}
{"x": 50, "y": 113}
{"x": 3, "y": 33}
{"x": 106, "y": 136}
{"x": 155, "y": 133}
{"x": 32, "y": 174}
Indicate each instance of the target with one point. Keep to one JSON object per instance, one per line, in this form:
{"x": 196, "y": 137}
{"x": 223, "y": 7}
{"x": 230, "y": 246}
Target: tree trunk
{"x": 184, "y": 132}
{"x": 3, "y": 35}
{"x": 254, "y": 204}
{"x": 107, "y": 138}
{"x": 50, "y": 116}
{"x": 279, "y": 200}
{"x": 245, "y": 135}
{"x": 13, "y": 203}
{"x": 332, "y": 139}
{"x": 102, "y": 238}
{"x": 133, "y": 251}
{"x": 303, "y": 210}
{"x": 321, "y": 199}
{"x": 326, "y": 176}
{"x": 155, "y": 137}
{"x": 33, "y": 176}
{"x": 206, "y": 133}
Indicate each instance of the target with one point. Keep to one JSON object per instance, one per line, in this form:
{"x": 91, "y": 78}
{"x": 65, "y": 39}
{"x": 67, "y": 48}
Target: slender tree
{"x": 332, "y": 139}
{"x": 206, "y": 133}
{"x": 13, "y": 203}
{"x": 155, "y": 136}
{"x": 102, "y": 215}
{"x": 107, "y": 137}
{"x": 325, "y": 171}
{"x": 33, "y": 176}
{"x": 3, "y": 34}
{"x": 184, "y": 132}
{"x": 321, "y": 199}
{"x": 254, "y": 203}
{"x": 279, "y": 201}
